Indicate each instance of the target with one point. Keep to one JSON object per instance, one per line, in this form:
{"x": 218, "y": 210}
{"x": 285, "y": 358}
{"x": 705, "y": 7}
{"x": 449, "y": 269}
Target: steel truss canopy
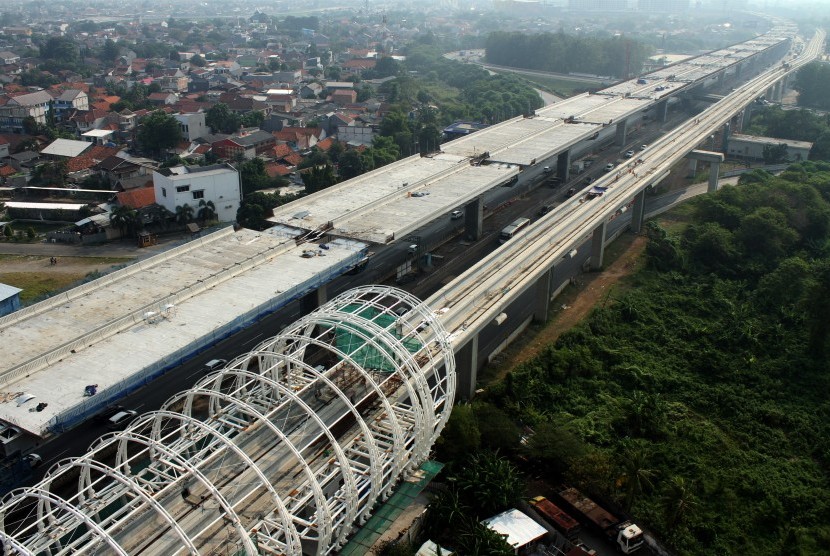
{"x": 281, "y": 452}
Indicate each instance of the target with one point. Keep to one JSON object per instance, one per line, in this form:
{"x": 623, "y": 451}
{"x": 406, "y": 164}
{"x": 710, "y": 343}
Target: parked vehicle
{"x": 456, "y": 215}
{"x": 557, "y": 517}
{"x": 609, "y": 166}
{"x": 545, "y": 209}
{"x": 547, "y": 170}
{"x": 629, "y": 154}
{"x": 626, "y": 535}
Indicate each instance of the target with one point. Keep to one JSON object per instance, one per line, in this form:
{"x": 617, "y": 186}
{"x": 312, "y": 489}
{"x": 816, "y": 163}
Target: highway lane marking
{"x": 253, "y": 338}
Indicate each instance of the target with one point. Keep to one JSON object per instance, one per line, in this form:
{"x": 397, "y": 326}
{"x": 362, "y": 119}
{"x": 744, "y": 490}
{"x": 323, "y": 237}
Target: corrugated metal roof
{"x": 519, "y": 527}
{"x": 66, "y": 147}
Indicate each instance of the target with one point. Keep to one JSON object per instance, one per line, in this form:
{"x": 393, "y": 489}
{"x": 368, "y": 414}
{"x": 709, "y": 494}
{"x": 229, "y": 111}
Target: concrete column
{"x": 692, "y": 168}
{"x": 638, "y": 212}
{"x": 473, "y": 219}
{"x": 563, "y": 166}
{"x": 739, "y": 121}
{"x": 313, "y": 300}
{"x": 738, "y": 70}
{"x": 466, "y": 367}
{"x": 721, "y": 77}
{"x": 727, "y": 130}
{"x": 598, "y": 246}
{"x": 768, "y": 94}
{"x": 540, "y": 310}
{"x": 663, "y": 110}
{"x": 622, "y": 132}
{"x": 714, "y": 170}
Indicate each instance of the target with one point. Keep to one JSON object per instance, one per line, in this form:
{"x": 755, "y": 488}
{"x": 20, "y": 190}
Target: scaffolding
{"x": 281, "y": 452}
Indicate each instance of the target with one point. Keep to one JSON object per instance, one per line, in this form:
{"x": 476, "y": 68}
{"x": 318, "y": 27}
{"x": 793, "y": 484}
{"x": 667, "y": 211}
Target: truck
{"x": 557, "y": 517}
{"x": 624, "y": 534}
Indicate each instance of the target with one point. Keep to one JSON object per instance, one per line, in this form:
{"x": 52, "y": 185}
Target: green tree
{"x": 678, "y": 502}
{"x": 122, "y": 218}
{"x": 352, "y": 164}
{"x": 775, "y": 154}
{"x": 60, "y": 49}
{"x": 220, "y": 119}
{"x": 460, "y": 436}
{"x": 207, "y": 211}
{"x": 476, "y": 539}
{"x": 491, "y": 482}
{"x": 635, "y": 476}
{"x": 498, "y": 431}
{"x": 159, "y": 131}
{"x": 184, "y": 213}
{"x": 198, "y": 61}
{"x": 110, "y": 51}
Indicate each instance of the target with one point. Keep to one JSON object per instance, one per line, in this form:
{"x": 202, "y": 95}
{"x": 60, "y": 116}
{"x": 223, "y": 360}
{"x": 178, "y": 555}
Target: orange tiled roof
{"x": 273, "y": 170}
{"x": 293, "y": 159}
{"x": 281, "y": 151}
{"x": 90, "y": 158}
{"x": 137, "y": 198}
{"x": 325, "y": 144}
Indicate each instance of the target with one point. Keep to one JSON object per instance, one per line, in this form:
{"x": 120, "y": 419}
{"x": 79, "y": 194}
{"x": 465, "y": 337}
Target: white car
{"x": 121, "y": 419}
{"x": 629, "y": 154}
{"x": 609, "y": 166}
{"x": 456, "y": 215}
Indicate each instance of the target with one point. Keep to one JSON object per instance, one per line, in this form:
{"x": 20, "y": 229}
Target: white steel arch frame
{"x": 281, "y": 452}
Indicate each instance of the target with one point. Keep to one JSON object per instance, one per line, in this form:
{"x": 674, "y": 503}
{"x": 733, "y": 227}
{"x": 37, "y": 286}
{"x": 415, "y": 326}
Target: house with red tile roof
{"x": 137, "y": 198}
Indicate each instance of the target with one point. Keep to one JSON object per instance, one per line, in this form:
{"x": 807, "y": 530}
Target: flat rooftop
{"x": 139, "y": 317}
{"x": 387, "y": 203}
{"x": 524, "y": 141}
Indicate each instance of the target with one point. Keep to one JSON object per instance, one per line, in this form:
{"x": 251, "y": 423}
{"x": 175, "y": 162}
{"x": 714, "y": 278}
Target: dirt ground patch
{"x": 623, "y": 258}
{"x": 36, "y": 276}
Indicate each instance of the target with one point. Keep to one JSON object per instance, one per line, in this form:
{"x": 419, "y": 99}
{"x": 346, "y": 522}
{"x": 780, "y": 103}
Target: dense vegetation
{"x": 812, "y": 83}
{"x": 697, "y": 399}
{"x": 558, "y": 52}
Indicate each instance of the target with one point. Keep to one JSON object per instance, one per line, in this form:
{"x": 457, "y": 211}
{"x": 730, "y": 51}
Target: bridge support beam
{"x": 313, "y": 300}
{"x": 563, "y": 166}
{"x": 466, "y": 368}
{"x": 473, "y": 219}
{"x": 725, "y": 133}
{"x": 598, "y": 246}
{"x": 638, "y": 211}
{"x": 662, "y": 110}
{"x": 622, "y": 132}
{"x": 714, "y": 172}
{"x": 540, "y": 311}
{"x": 714, "y": 159}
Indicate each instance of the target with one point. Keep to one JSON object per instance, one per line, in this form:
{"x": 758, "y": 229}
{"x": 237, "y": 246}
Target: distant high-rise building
{"x": 671, "y": 6}
{"x": 598, "y": 5}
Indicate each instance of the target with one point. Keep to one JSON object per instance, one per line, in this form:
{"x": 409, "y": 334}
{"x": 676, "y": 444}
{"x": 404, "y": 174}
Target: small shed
{"x": 9, "y": 299}
{"x": 519, "y": 529}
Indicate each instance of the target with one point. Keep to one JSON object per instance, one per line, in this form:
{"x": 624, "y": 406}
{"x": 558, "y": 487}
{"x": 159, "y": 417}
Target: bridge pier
{"x": 714, "y": 159}
{"x": 692, "y": 168}
{"x": 727, "y": 130}
{"x": 473, "y": 219}
{"x": 638, "y": 211}
{"x": 543, "y": 285}
{"x": 563, "y": 166}
{"x": 662, "y": 110}
{"x": 598, "y": 246}
{"x": 466, "y": 369}
{"x": 622, "y": 132}
{"x": 313, "y": 300}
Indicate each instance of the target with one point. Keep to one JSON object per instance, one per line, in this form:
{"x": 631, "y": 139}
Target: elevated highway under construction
{"x": 289, "y": 446}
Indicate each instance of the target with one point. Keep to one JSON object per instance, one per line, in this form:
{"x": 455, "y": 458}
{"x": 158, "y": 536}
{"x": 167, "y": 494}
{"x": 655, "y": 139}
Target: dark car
{"x": 589, "y": 180}
{"x": 545, "y": 209}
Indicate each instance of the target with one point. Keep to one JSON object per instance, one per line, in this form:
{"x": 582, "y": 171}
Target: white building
{"x": 192, "y": 125}
{"x": 752, "y": 147}
{"x": 188, "y": 185}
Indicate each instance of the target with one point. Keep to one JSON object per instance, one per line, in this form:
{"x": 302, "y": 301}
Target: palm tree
{"x": 122, "y": 217}
{"x": 207, "y": 211}
{"x": 184, "y": 213}
{"x": 636, "y": 477}
{"x": 678, "y": 501}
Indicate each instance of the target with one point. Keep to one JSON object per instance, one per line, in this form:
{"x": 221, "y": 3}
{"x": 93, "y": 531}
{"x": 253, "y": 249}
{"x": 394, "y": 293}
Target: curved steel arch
{"x": 278, "y": 396}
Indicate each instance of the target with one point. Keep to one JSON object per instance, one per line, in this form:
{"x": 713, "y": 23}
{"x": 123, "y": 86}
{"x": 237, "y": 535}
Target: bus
{"x": 513, "y": 229}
